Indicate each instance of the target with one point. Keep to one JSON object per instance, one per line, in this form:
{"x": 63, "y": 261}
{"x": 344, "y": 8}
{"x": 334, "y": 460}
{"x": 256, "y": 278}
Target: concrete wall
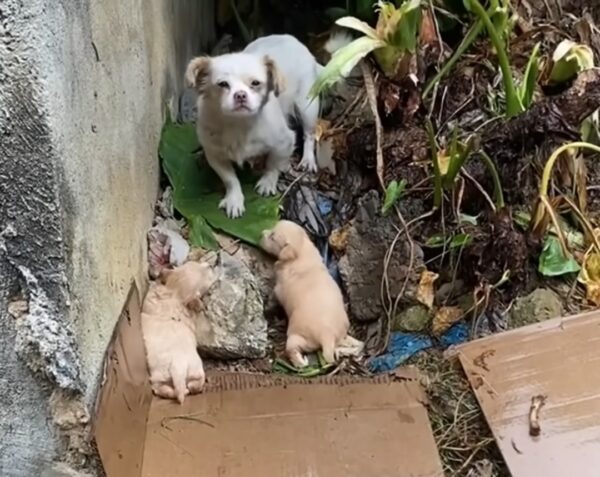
{"x": 83, "y": 92}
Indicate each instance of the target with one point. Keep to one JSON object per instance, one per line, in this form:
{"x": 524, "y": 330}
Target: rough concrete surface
{"x": 83, "y": 93}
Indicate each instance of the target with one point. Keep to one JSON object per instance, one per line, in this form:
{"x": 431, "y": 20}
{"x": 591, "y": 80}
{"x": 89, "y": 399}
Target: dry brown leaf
{"x": 339, "y": 239}
{"x": 428, "y": 33}
{"x": 444, "y": 318}
{"x": 590, "y": 275}
{"x": 425, "y": 291}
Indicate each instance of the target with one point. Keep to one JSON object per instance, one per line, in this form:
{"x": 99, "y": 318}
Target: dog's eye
{"x": 223, "y": 84}
{"x": 255, "y": 83}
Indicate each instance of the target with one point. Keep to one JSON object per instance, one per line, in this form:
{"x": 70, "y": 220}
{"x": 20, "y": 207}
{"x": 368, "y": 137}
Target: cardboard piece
{"x": 258, "y": 425}
{"x": 124, "y": 400}
{"x": 558, "y": 359}
{"x": 250, "y": 425}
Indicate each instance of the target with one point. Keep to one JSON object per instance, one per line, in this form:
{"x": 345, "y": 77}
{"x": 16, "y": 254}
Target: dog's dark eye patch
{"x": 223, "y": 84}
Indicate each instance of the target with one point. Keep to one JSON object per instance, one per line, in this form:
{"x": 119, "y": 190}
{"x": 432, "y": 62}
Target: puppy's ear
{"x": 196, "y": 74}
{"x": 195, "y": 304}
{"x": 275, "y": 81}
{"x": 287, "y": 253}
{"x": 164, "y": 275}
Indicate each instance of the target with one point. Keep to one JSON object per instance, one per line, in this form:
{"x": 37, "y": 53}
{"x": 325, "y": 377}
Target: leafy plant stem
{"x": 437, "y": 175}
{"x": 498, "y": 195}
{"x": 513, "y": 105}
{"x": 470, "y": 37}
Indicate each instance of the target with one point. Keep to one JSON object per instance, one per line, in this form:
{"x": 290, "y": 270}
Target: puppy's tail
{"x": 338, "y": 39}
{"x": 178, "y": 376}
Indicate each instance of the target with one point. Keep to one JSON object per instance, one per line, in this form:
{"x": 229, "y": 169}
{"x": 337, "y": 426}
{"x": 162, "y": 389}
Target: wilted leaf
{"x": 552, "y": 260}
{"x": 393, "y": 192}
{"x": 590, "y": 275}
{"x": 569, "y": 59}
{"x": 444, "y": 318}
{"x": 196, "y": 193}
{"x": 338, "y": 239}
{"x": 358, "y": 25}
{"x": 436, "y": 241}
{"x": 343, "y": 62}
{"x": 425, "y": 290}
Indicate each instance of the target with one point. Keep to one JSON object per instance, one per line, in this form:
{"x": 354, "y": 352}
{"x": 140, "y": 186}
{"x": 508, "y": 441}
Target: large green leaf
{"x": 197, "y": 191}
{"x": 553, "y": 262}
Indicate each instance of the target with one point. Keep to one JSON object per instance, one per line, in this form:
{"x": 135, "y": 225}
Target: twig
{"x": 292, "y": 184}
{"x": 537, "y": 402}
{"x": 372, "y": 97}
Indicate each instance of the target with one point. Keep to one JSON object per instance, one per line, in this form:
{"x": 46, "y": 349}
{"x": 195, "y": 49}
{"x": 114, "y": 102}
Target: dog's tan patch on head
{"x": 275, "y": 81}
{"x": 196, "y": 74}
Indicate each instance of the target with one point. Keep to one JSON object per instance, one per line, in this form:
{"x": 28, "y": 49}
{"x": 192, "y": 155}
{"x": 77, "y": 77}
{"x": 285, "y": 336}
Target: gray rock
{"x": 540, "y": 305}
{"x": 232, "y": 324}
{"x": 362, "y": 267}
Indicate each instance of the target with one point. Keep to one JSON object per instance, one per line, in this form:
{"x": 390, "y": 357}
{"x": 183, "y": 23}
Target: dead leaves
{"x": 444, "y": 318}
{"x": 425, "y": 291}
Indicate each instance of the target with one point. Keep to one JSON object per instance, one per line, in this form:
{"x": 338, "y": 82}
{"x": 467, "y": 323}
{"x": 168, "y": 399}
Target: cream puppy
{"x": 312, "y": 300}
{"x": 244, "y": 102}
{"x": 169, "y": 329}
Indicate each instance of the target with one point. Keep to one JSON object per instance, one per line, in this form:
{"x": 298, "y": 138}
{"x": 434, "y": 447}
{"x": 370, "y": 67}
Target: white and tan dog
{"x": 311, "y": 298}
{"x": 244, "y": 102}
{"x": 169, "y": 329}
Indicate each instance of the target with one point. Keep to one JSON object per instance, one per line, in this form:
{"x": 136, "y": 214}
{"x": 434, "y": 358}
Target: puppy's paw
{"x": 308, "y": 163}
{"x": 267, "y": 185}
{"x": 299, "y": 360}
{"x": 233, "y": 203}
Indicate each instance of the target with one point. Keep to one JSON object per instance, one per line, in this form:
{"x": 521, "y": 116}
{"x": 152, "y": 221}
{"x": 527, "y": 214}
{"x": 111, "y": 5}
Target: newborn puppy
{"x": 312, "y": 300}
{"x": 169, "y": 329}
{"x": 244, "y": 101}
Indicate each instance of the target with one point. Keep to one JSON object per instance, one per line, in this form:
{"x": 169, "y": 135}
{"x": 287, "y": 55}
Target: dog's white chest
{"x": 235, "y": 145}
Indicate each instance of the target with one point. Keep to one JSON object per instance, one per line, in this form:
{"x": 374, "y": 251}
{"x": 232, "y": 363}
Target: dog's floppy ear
{"x": 196, "y": 74}
{"x": 164, "y": 275}
{"x": 287, "y": 253}
{"x": 275, "y": 81}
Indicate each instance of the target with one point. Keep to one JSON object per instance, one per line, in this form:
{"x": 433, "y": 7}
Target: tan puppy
{"x": 169, "y": 329}
{"x": 311, "y": 298}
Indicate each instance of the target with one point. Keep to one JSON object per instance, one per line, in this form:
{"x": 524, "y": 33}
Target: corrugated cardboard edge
{"x": 123, "y": 403}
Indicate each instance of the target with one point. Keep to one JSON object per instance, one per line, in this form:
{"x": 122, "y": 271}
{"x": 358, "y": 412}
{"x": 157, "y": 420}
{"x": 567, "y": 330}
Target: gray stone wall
{"x": 84, "y": 89}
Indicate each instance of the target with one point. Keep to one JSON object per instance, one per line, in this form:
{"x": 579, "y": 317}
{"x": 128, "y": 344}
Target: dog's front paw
{"x": 308, "y": 163}
{"x": 233, "y": 203}
{"x": 267, "y": 185}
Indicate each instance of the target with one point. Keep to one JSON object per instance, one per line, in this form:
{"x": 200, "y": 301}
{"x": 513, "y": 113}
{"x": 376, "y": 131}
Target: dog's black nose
{"x": 240, "y": 96}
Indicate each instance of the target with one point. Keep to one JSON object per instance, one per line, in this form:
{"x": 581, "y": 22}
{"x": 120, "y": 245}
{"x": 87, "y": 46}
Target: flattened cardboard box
{"x": 558, "y": 359}
{"x": 255, "y": 425}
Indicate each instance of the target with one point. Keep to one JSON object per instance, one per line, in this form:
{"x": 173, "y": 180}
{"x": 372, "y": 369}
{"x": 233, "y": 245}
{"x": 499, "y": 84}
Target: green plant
{"x": 498, "y": 36}
{"x": 546, "y": 208}
{"x": 447, "y": 164}
{"x": 393, "y": 193}
{"x": 393, "y": 42}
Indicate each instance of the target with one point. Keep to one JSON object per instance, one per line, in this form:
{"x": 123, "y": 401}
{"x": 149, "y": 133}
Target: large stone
{"x": 362, "y": 267}
{"x": 540, "y": 305}
{"x": 232, "y": 324}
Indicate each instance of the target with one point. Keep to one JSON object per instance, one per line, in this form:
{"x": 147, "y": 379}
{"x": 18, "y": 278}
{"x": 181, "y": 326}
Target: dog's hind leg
{"x": 328, "y": 349}
{"x": 295, "y": 347}
{"x": 308, "y": 109}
